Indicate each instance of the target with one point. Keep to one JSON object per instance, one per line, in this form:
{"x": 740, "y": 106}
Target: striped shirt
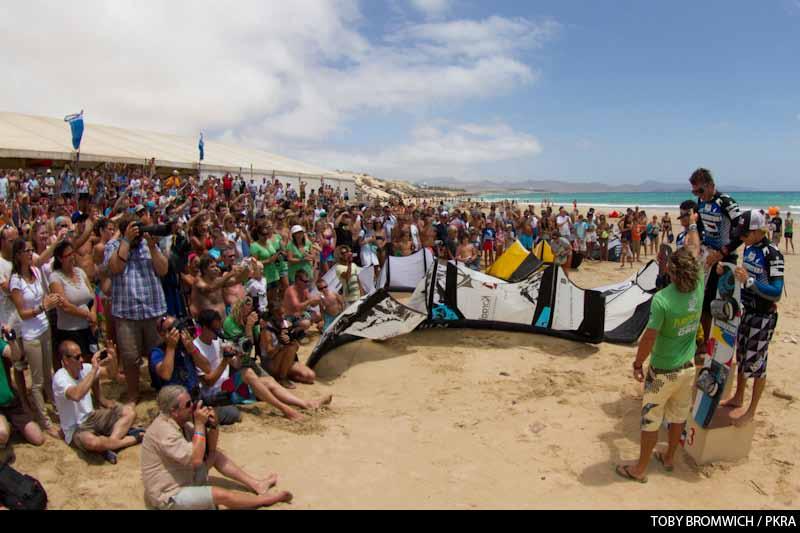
{"x": 136, "y": 293}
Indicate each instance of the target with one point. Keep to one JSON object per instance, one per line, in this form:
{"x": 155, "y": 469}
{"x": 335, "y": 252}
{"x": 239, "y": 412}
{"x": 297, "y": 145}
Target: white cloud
{"x": 440, "y": 148}
{"x": 431, "y": 7}
{"x": 269, "y": 74}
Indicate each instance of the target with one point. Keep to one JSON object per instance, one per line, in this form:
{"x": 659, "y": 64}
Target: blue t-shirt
{"x": 580, "y": 229}
{"x": 183, "y": 373}
{"x": 488, "y": 234}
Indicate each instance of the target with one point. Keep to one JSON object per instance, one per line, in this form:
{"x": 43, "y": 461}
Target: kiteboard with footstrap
{"x": 726, "y": 311}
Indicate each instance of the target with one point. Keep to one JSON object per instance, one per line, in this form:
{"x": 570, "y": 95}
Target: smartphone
{"x": 103, "y": 355}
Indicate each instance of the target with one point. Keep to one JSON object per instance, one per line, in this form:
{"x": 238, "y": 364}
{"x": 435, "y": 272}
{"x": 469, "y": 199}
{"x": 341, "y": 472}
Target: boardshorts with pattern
{"x": 667, "y": 396}
{"x": 755, "y": 334}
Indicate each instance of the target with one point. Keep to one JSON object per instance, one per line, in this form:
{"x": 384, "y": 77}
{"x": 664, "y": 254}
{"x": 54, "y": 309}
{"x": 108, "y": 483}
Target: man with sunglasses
{"x": 762, "y": 282}
{"x": 105, "y": 430}
{"x": 179, "y": 450}
{"x": 719, "y": 214}
{"x": 298, "y": 301}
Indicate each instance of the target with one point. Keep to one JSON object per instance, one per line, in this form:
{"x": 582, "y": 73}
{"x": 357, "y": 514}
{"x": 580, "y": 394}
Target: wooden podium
{"x": 721, "y": 441}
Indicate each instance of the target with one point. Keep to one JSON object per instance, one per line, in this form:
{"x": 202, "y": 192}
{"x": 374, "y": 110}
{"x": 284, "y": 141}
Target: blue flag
{"x": 202, "y": 147}
{"x": 76, "y": 125}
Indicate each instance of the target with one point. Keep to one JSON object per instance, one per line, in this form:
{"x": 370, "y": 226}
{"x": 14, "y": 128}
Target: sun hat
{"x": 298, "y": 229}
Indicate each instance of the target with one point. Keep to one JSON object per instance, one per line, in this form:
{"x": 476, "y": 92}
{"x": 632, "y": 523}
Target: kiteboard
{"x": 726, "y": 311}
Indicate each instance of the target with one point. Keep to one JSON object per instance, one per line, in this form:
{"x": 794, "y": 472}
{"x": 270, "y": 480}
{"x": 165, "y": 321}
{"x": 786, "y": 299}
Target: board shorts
{"x": 581, "y": 244}
{"x": 788, "y": 235}
{"x": 16, "y": 415}
{"x": 755, "y": 334}
{"x": 294, "y": 320}
{"x": 488, "y": 246}
{"x": 100, "y": 422}
{"x": 197, "y": 497}
{"x": 328, "y": 320}
{"x": 667, "y": 396}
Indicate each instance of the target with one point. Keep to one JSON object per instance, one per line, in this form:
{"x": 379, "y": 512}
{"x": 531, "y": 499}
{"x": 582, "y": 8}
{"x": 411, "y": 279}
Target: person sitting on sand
{"x": 468, "y": 254}
{"x": 178, "y": 451}
{"x": 279, "y": 350}
{"x": 347, "y": 272}
{"x": 298, "y": 303}
{"x": 670, "y": 343}
{"x": 562, "y": 250}
{"x": 12, "y": 413}
{"x": 331, "y": 303}
{"x": 761, "y": 277}
{"x": 103, "y": 431}
{"x": 226, "y": 374}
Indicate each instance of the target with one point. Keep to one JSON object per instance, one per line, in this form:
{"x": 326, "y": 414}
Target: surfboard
{"x": 726, "y": 311}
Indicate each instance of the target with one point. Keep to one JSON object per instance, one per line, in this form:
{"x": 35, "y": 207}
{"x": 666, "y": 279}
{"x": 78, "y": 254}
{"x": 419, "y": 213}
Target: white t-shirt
{"x": 3, "y": 187}
{"x": 415, "y": 236}
{"x": 71, "y": 414}
{"x": 8, "y": 311}
{"x": 32, "y": 297}
{"x": 213, "y": 353}
{"x": 563, "y": 229}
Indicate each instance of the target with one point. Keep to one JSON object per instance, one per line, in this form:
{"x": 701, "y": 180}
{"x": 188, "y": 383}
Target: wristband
{"x": 693, "y": 227}
{"x": 201, "y": 435}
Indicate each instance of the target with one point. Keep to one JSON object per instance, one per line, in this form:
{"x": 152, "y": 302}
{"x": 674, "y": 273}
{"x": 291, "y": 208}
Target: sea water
{"x": 786, "y": 201}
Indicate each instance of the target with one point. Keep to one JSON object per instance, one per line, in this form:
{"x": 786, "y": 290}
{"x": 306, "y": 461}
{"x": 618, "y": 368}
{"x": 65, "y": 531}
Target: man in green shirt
{"x": 12, "y": 414}
{"x": 263, "y": 249}
{"x": 670, "y": 342}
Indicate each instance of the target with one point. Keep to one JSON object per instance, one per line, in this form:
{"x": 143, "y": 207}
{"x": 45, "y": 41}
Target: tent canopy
{"x": 43, "y": 138}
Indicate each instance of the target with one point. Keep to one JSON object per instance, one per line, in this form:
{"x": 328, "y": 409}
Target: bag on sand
{"x": 20, "y": 492}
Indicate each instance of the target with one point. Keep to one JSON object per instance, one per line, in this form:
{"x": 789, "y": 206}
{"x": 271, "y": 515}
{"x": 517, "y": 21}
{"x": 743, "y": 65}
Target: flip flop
{"x": 622, "y": 471}
{"x": 660, "y": 458}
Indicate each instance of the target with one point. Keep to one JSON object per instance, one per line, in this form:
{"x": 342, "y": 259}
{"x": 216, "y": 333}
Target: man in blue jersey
{"x": 719, "y": 214}
{"x": 762, "y": 286}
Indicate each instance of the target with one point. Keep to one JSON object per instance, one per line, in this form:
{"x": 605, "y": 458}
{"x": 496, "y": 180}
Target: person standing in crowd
{"x": 762, "y": 279}
{"x": 788, "y": 232}
{"x": 178, "y": 451}
{"x": 136, "y": 264}
{"x": 103, "y": 431}
{"x": 669, "y": 342}
{"x": 777, "y": 229}
{"x": 28, "y": 292}
{"x": 719, "y": 215}
{"x": 75, "y": 318}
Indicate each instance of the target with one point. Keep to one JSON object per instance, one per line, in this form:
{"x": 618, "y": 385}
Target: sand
{"x": 474, "y": 419}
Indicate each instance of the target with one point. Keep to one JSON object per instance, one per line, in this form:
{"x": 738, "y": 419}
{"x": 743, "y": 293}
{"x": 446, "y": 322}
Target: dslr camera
{"x": 186, "y": 324}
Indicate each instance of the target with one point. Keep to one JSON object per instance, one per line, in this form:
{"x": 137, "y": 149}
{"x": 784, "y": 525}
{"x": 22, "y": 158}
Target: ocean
{"x": 786, "y": 201}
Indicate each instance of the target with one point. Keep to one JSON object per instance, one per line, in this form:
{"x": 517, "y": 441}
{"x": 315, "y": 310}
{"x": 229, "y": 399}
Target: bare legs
{"x": 241, "y": 500}
{"x": 117, "y": 440}
{"x": 739, "y": 416}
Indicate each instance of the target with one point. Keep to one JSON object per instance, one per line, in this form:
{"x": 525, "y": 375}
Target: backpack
{"x": 20, "y": 492}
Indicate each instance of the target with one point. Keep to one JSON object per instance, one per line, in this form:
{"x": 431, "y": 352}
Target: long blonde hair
{"x": 684, "y": 270}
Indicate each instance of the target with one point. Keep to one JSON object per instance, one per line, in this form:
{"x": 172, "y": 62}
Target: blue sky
{"x": 616, "y": 91}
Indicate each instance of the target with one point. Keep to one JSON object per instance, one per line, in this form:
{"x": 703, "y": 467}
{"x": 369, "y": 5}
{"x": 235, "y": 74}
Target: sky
{"x": 618, "y": 91}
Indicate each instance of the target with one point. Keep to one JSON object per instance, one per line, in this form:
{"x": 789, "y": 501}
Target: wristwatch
{"x": 749, "y": 283}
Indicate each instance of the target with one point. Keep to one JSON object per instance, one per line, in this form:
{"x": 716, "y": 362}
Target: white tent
{"x": 44, "y": 138}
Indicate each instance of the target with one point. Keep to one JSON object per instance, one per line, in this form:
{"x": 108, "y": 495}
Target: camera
{"x": 229, "y": 351}
{"x": 157, "y": 230}
{"x": 185, "y": 324}
{"x": 10, "y": 335}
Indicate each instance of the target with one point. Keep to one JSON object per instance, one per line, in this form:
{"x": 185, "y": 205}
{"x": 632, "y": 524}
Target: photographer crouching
{"x": 226, "y": 374}
{"x": 175, "y": 362}
{"x": 179, "y": 449}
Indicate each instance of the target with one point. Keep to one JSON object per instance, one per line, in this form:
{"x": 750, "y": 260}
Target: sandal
{"x": 622, "y": 471}
{"x": 660, "y": 458}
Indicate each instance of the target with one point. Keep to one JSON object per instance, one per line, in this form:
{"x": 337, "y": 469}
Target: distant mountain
{"x": 561, "y": 187}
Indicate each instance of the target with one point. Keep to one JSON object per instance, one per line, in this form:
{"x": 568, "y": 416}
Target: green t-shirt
{"x": 676, "y": 316}
{"x": 6, "y": 394}
{"x": 294, "y": 268}
{"x": 233, "y": 331}
{"x": 262, "y": 253}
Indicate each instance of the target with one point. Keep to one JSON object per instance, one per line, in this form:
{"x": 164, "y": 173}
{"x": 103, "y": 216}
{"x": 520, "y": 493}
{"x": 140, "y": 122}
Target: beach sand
{"x": 474, "y": 419}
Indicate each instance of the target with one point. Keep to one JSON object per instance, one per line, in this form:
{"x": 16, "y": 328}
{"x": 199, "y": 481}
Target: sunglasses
{"x": 73, "y": 357}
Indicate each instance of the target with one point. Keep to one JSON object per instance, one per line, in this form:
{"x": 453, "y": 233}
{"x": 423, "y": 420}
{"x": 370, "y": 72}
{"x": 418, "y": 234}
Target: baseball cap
{"x": 751, "y": 221}
{"x": 298, "y": 229}
{"x": 139, "y": 209}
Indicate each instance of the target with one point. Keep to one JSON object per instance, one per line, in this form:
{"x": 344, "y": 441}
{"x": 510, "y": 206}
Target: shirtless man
{"x": 208, "y": 290}
{"x": 331, "y": 303}
{"x": 297, "y": 301}
{"x": 235, "y": 292}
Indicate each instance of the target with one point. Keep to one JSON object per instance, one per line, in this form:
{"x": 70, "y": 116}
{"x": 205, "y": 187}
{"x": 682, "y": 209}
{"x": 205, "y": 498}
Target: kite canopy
{"x": 516, "y": 264}
{"x": 544, "y": 252}
{"x": 403, "y": 274}
{"x": 628, "y": 305}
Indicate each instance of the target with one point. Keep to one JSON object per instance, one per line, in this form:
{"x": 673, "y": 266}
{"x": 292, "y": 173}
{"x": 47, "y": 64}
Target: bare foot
{"x": 743, "y": 420}
{"x": 287, "y": 384}
{"x": 738, "y": 412}
{"x": 316, "y": 404}
{"x": 732, "y": 402}
{"x": 294, "y": 416}
{"x": 263, "y": 485}
{"x": 285, "y": 496}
